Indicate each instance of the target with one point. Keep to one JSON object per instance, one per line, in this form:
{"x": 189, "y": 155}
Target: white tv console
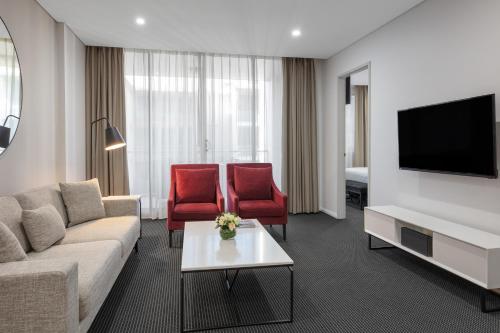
{"x": 470, "y": 253}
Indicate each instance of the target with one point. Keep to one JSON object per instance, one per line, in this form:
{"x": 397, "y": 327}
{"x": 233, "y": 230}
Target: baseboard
{"x": 329, "y": 212}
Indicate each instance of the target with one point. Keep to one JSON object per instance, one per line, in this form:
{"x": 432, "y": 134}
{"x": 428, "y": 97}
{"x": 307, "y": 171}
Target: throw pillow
{"x": 253, "y": 183}
{"x": 44, "y": 226}
{"x": 83, "y": 201}
{"x": 10, "y": 248}
{"x": 195, "y": 185}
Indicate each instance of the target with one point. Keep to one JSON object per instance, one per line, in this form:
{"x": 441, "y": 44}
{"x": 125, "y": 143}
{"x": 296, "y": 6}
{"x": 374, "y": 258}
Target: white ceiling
{"x": 257, "y": 27}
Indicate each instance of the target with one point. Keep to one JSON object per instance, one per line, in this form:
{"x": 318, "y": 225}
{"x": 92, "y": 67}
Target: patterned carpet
{"x": 340, "y": 286}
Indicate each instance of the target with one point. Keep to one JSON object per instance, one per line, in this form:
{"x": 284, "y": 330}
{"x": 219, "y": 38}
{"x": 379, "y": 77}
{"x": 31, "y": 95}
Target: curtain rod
{"x": 201, "y": 53}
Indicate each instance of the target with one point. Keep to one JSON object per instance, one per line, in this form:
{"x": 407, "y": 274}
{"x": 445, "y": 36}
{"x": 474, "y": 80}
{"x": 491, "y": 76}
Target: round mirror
{"x": 10, "y": 89}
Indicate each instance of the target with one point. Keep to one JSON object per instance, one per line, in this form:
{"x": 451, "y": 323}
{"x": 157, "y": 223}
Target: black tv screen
{"x": 456, "y": 137}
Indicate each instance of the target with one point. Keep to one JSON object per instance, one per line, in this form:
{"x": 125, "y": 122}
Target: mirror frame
{"x": 21, "y": 87}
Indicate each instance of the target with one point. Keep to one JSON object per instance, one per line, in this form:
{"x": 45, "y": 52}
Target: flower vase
{"x": 226, "y": 234}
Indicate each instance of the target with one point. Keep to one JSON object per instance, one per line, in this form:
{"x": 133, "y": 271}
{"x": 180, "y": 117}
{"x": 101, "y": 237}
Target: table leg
{"x": 229, "y": 284}
{"x": 182, "y": 303}
{"x": 291, "y": 293}
{"x": 140, "y": 218}
{"x": 484, "y": 308}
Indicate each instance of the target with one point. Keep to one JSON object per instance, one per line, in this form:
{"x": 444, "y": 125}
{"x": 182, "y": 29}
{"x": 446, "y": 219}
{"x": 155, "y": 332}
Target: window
{"x": 198, "y": 108}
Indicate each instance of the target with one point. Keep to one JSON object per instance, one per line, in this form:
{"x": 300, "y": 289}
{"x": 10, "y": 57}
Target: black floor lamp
{"x": 5, "y": 132}
{"x": 114, "y": 139}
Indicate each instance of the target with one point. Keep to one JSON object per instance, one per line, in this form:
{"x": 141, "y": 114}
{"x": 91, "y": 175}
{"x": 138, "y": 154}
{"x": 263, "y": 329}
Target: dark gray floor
{"x": 340, "y": 286}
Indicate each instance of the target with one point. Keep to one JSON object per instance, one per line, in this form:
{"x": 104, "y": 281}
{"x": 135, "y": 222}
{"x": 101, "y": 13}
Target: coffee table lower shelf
{"x": 230, "y": 285}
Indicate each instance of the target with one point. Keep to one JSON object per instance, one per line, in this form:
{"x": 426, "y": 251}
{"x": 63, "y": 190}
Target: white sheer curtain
{"x": 10, "y": 85}
{"x": 243, "y": 111}
{"x": 198, "y": 108}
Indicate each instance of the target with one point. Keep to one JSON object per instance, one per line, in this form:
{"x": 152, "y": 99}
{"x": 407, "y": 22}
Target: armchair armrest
{"x": 39, "y": 296}
{"x": 233, "y": 199}
{"x": 280, "y": 198}
{"x": 171, "y": 202}
{"x": 220, "y": 199}
{"x": 122, "y": 205}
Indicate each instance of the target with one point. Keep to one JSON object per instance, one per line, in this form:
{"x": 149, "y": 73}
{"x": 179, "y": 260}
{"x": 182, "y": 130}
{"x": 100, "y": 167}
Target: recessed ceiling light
{"x": 296, "y": 32}
{"x": 140, "y": 21}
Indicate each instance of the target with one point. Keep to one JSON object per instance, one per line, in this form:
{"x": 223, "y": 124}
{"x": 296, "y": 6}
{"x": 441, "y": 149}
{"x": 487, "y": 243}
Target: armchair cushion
{"x": 253, "y": 183}
{"x": 195, "y": 185}
{"x": 260, "y": 208}
{"x": 195, "y": 211}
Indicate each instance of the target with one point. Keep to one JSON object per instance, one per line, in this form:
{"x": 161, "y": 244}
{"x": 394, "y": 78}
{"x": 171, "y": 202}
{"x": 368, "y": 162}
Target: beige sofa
{"x": 62, "y": 288}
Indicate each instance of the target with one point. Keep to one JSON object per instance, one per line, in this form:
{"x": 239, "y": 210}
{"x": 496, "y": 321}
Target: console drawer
{"x": 465, "y": 258}
{"x": 380, "y": 224}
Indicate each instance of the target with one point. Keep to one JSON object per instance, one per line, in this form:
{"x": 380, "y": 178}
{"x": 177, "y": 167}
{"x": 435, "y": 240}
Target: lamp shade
{"x": 4, "y": 136}
{"x": 114, "y": 139}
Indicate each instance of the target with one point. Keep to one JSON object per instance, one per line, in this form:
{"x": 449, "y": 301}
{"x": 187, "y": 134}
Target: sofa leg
{"x": 170, "y": 232}
{"x": 136, "y": 247}
{"x": 284, "y": 232}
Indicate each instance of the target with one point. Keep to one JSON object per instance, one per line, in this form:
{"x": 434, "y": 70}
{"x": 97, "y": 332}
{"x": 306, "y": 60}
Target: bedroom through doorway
{"x": 356, "y": 139}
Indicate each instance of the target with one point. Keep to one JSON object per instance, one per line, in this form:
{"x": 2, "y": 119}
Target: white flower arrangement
{"x": 227, "y": 221}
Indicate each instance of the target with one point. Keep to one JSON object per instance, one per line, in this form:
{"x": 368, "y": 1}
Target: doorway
{"x": 354, "y": 168}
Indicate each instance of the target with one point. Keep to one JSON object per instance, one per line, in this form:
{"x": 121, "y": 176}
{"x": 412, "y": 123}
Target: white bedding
{"x": 357, "y": 174}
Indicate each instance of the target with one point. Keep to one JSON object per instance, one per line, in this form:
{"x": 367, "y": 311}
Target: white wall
{"x": 439, "y": 51}
{"x": 74, "y": 88}
{"x": 37, "y": 155}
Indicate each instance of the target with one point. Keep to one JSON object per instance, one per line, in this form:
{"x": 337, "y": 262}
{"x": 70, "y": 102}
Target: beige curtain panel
{"x": 361, "y": 127}
{"x": 105, "y": 97}
{"x": 300, "y": 169}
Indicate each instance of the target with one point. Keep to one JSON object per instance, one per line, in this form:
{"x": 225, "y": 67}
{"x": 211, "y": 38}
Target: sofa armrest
{"x": 280, "y": 198}
{"x": 233, "y": 201}
{"x": 122, "y": 205}
{"x": 39, "y": 296}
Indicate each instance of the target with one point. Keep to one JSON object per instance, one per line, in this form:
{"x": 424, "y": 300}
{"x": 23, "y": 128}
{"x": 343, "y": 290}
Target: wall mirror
{"x": 10, "y": 89}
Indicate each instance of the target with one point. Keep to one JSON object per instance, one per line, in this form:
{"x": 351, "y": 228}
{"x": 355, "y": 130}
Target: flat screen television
{"x": 457, "y": 137}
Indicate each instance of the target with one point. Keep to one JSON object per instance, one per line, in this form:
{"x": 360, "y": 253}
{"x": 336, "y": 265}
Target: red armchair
{"x": 252, "y": 193}
{"x": 195, "y": 195}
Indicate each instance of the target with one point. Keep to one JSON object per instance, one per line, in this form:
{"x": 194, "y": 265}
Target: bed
{"x": 357, "y": 174}
{"x": 356, "y": 187}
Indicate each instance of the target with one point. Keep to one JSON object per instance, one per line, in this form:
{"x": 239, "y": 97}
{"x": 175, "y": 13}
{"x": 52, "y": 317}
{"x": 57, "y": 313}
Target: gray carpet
{"x": 340, "y": 286}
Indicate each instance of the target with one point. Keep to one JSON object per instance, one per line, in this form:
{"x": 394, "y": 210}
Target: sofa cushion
{"x": 10, "y": 248}
{"x": 195, "y": 211}
{"x": 125, "y": 229}
{"x": 98, "y": 265}
{"x": 260, "y": 208}
{"x": 253, "y": 183}
{"x": 10, "y": 215}
{"x": 83, "y": 201}
{"x": 195, "y": 185}
{"x": 47, "y": 195}
{"x": 44, "y": 226}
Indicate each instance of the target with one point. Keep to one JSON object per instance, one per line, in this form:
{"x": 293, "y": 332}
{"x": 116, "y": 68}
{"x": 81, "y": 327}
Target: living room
{"x": 183, "y": 166}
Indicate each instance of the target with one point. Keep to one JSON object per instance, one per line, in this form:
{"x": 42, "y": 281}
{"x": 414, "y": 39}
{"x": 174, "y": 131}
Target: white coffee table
{"x": 252, "y": 248}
